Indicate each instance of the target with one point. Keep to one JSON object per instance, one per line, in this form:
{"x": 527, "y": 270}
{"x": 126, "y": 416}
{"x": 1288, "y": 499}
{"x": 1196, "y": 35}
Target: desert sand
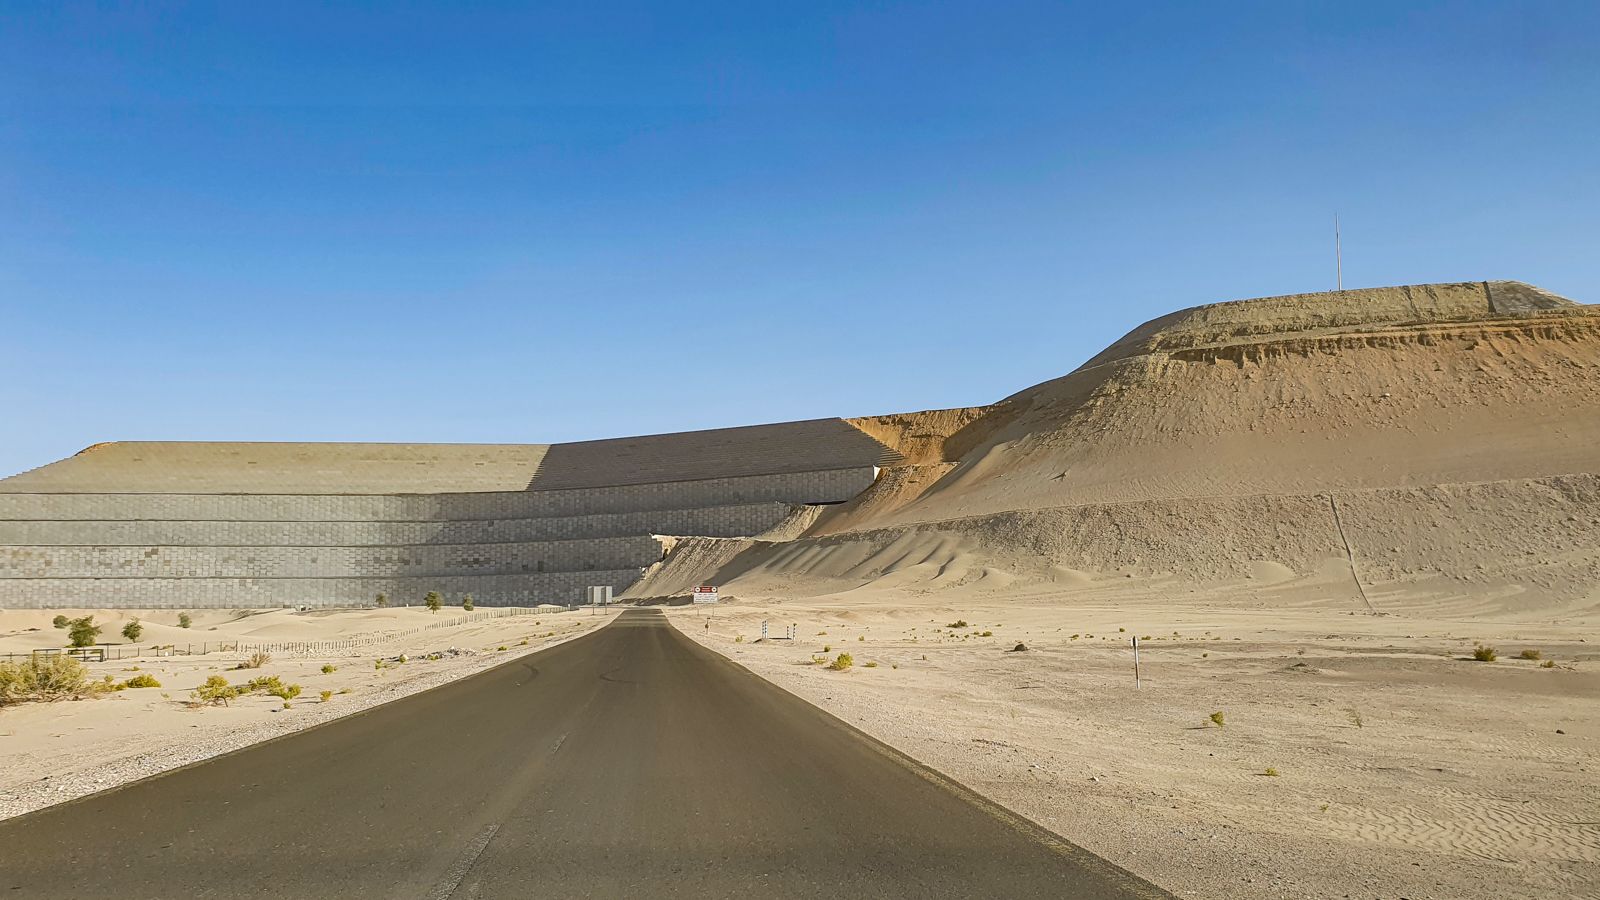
{"x": 1404, "y": 767}
{"x": 53, "y": 752}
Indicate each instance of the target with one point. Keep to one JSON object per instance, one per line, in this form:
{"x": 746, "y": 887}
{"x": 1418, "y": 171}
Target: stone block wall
{"x": 169, "y": 550}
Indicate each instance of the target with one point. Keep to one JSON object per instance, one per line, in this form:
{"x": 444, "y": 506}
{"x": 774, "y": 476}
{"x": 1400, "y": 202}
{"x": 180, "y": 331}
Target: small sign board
{"x": 599, "y": 595}
{"x": 705, "y": 593}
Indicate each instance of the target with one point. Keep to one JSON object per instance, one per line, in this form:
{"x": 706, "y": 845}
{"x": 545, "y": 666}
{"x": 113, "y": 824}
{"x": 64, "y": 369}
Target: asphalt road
{"x": 630, "y": 762}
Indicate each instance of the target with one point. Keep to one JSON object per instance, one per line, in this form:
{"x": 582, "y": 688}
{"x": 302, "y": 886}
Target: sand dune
{"x": 1409, "y": 434}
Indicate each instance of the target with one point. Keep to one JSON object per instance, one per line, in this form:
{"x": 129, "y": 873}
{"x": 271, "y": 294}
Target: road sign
{"x": 705, "y": 593}
{"x": 599, "y": 595}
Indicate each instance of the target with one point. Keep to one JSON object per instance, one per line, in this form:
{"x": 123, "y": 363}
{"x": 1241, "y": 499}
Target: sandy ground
{"x": 1404, "y": 768}
{"x": 53, "y": 752}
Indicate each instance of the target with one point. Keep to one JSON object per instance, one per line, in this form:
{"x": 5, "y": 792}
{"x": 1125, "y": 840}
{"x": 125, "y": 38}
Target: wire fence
{"x": 112, "y": 652}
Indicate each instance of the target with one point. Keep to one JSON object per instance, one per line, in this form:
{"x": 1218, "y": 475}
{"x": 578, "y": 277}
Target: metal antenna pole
{"x": 1338, "y": 256}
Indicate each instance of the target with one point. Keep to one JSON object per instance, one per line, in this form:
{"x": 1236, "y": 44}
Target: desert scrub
{"x": 132, "y": 630}
{"x": 216, "y": 691}
{"x": 329, "y": 668}
{"x": 466, "y": 603}
{"x": 1548, "y": 664}
{"x": 256, "y": 660}
{"x": 83, "y": 632}
{"x": 987, "y": 634}
{"x": 381, "y": 601}
{"x": 61, "y": 621}
{"x": 738, "y": 639}
{"x": 185, "y": 620}
{"x": 1530, "y": 654}
{"x": 432, "y": 601}
{"x": 1270, "y": 772}
{"x": 285, "y": 692}
{"x": 844, "y": 661}
{"x": 326, "y": 696}
{"x": 42, "y": 678}
{"x": 1218, "y": 719}
{"x": 959, "y": 623}
{"x": 871, "y": 665}
{"x": 1485, "y": 653}
{"x": 142, "y": 681}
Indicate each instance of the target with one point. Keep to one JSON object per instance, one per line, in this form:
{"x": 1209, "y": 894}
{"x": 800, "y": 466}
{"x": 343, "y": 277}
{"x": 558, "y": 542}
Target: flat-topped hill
{"x": 201, "y": 467}
{"x": 1326, "y": 313}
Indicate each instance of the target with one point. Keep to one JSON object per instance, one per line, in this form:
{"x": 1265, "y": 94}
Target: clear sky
{"x": 542, "y": 222}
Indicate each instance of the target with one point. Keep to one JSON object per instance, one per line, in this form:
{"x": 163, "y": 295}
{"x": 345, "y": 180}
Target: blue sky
{"x": 504, "y": 223}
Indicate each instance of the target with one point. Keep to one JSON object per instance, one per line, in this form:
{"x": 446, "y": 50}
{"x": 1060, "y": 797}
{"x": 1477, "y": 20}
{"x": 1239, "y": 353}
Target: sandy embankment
{"x": 1404, "y": 770}
{"x": 53, "y": 752}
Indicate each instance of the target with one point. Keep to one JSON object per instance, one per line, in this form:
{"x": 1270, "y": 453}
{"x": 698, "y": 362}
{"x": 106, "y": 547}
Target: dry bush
{"x": 844, "y": 661}
{"x": 256, "y": 660}
{"x": 216, "y": 691}
{"x": 1485, "y": 653}
{"x": 46, "y": 678}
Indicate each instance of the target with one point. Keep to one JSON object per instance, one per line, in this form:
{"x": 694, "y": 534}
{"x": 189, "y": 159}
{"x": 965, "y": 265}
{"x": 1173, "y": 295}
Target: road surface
{"x": 630, "y": 762}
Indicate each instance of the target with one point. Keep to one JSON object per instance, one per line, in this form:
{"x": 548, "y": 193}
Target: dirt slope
{"x": 1397, "y": 436}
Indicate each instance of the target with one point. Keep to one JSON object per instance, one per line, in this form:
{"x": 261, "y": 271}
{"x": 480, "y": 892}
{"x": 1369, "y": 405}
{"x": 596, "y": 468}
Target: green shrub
{"x": 329, "y": 668}
{"x": 60, "y": 621}
{"x": 871, "y": 665}
{"x": 502, "y": 647}
{"x": 215, "y": 691}
{"x": 843, "y": 662}
{"x": 738, "y": 639}
{"x": 132, "y": 630}
{"x": 83, "y": 632}
{"x": 185, "y": 620}
{"x": 326, "y": 696}
{"x": 1218, "y": 719}
{"x": 1270, "y": 772}
{"x": 432, "y": 601}
{"x": 1483, "y": 653}
{"x": 45, "y": 678}
{"x": 466, "y": 603}
{"x": 381, "y": 601}
{"x": 142, "y": 681}
{"x": 1530, "y": 654}
{"x": 959, "y": 623}
{"x": 285, "y": 692}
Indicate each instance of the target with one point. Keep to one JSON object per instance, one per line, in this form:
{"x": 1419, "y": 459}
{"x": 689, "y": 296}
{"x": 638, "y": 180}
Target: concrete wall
{"x": 828, "y": 486}
{"x": 231, "y": 593}
{"x": 165, "y": 550}
{"x": 710, "y": 521}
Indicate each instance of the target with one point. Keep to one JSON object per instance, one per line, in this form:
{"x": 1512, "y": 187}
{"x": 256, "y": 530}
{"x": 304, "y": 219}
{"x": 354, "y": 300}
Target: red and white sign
{"x": 705, "y": 593}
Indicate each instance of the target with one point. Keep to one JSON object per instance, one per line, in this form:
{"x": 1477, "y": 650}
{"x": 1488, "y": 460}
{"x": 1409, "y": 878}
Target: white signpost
{"x": 705, "y": 593}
